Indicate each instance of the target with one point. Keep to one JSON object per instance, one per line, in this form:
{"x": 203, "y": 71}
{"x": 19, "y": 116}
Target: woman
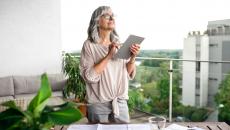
{"x": 106, "y": 77}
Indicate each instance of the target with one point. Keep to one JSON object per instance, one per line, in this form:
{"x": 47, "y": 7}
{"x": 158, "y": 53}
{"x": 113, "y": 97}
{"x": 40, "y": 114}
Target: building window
{"x": 213, "y": 45}
{"x": 213, "y": 31}
{"x": 198, "y": 66}
{"x": 197, "y": 83}
{"x": 198, "y": 55}
{"x": 227, "y": 29}
{"x": 212, "y": 78}
{"x": 220, "y": 30}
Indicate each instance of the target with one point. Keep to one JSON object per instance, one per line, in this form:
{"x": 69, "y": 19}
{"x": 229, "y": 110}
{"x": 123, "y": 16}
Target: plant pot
{"x": 83, "y": 109}
{"x": 81, "y": 106}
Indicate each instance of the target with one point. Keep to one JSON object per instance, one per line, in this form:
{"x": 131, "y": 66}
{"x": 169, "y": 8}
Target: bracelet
{"x": 132, "y": 61}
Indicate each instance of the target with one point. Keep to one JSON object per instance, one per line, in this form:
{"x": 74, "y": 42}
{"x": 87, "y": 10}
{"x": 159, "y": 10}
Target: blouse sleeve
{"x": 87, "y": 70}
{"x": 132, "y": 75}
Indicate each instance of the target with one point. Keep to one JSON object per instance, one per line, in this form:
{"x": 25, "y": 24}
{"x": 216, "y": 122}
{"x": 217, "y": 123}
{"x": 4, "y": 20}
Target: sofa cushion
{"x": 6, "y": 98}
{"x": 57, "y": 81}
{"x": 6, "y": 86}
{"x": 23, "y": 100}
{"x": 26, "y": 84}
{"x": 31, "y": 84}
{"x": 25, "y": 96}
{"x": 30, "y": 96}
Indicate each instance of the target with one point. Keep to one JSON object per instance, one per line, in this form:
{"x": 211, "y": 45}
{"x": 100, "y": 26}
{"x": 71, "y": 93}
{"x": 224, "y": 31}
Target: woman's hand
{"x": 99, "y": 67}
{"x": 112, "y": 49}
{"x": 135, "y": 49}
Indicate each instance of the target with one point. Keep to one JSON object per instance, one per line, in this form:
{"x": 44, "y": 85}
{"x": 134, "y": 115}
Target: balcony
{"x": 156, "y": 90}
{"x": 31, "y": 45}
{"x": 153, "y": 73}
{"x": 170, "y": 71}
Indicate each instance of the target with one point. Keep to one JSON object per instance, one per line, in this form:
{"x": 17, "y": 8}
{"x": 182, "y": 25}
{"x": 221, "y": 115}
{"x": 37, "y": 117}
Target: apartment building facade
{"x": 201, "y": 79}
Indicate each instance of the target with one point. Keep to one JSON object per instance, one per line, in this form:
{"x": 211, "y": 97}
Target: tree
{"x": 222, "y": 99}
{"x": 154, "y": 78}
{"x": 160, "y": 101}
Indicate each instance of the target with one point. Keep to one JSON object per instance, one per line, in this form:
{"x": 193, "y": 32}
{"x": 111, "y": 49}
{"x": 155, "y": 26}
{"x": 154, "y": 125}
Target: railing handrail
{"x": 190, "y": 60}
{"x": 172, "y": 59}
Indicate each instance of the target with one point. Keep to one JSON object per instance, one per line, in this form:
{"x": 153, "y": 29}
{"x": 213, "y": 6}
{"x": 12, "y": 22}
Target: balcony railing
{"x": 171, "y": 70}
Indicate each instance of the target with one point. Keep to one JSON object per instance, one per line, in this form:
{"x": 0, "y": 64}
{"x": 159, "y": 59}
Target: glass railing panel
{"x": 194, "y": 88}
{"x": 149, "y": 88}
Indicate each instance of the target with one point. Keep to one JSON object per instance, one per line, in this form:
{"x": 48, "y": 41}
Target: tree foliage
{"x": 222, "y": 99}
{"x": 154, "y": 78}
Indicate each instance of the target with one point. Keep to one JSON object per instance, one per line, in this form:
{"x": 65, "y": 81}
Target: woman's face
{"x": 106, "y": 21}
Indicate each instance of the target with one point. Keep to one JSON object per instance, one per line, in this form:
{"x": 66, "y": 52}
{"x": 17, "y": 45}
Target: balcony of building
{"x": 162, "y": 78}
{"x": 31, "y": 44}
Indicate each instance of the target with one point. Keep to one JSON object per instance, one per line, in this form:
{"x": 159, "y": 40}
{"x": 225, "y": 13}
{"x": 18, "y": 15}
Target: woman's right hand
{"x": 112, "y": 49}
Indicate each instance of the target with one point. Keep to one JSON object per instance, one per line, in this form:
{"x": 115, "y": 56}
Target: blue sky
{"x": 163, "y": 23}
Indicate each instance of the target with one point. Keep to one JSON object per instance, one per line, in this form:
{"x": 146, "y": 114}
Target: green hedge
{"x": 191, "y": 113}
{"x": 199, "y": 115}
{"x": 224, "y": 115}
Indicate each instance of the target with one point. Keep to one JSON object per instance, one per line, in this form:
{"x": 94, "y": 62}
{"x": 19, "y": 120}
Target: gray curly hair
{"x": 93, "y": 30}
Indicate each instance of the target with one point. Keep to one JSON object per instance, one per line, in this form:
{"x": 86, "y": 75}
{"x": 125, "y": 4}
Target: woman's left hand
{"x": 135, "y": 49}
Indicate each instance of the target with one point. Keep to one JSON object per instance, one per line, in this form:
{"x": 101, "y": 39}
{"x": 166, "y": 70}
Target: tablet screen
{"x": 124, "y": 51}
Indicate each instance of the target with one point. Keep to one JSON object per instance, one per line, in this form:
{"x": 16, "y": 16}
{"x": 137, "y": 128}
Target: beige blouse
{"x": 111, "y": 84}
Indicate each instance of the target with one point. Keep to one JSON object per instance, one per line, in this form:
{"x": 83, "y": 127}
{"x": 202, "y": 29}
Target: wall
{"x": 189, "y": 71}
{"x": 225, "y": 56}
{"x": 204, "y": 70}
{"x": 217, "y": 71}
{"x": 29, "y": 37}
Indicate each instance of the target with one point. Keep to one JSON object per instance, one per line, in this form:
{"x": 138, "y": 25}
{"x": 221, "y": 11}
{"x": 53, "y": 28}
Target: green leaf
{"x": 40, "y": 100}
{"x": 75, "y": 83}
{"x": 10, "y": 104}
{"x": 65, "y": 115}
{"x": 10, "y": 117}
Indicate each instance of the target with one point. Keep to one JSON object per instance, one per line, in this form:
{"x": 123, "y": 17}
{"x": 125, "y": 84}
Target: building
{"x": 201, "y": 79}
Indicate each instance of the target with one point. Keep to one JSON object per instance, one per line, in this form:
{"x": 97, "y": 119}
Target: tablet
{"x": 124, "y": 52}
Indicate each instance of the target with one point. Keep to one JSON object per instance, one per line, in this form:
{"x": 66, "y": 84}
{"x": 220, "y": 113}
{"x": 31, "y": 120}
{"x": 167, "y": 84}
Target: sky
{"x": 163, "y": 23}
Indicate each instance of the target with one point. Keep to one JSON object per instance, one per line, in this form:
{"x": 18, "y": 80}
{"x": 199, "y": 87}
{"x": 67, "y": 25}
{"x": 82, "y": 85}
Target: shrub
{"x": 224, "y": 114}
{"x": 188, "y": 111}
{"x": 222, "y": 98}
{"x": 135, "y": 99}
{"x": 178, "y": 111}
{"x": 199, "y": 115}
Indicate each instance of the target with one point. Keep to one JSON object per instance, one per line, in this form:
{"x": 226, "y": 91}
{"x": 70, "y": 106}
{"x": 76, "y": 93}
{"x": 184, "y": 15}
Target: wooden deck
{"x": 205, "y": 125}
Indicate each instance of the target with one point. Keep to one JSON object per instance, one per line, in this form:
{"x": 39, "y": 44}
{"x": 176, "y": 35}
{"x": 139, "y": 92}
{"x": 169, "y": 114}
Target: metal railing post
{"x": 170, "y": 89}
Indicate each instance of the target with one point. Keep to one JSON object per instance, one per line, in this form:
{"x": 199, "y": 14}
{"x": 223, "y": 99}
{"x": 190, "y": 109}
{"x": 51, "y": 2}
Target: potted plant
{"x": 38, "y": 115}
{"x": 75, "y": 85}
